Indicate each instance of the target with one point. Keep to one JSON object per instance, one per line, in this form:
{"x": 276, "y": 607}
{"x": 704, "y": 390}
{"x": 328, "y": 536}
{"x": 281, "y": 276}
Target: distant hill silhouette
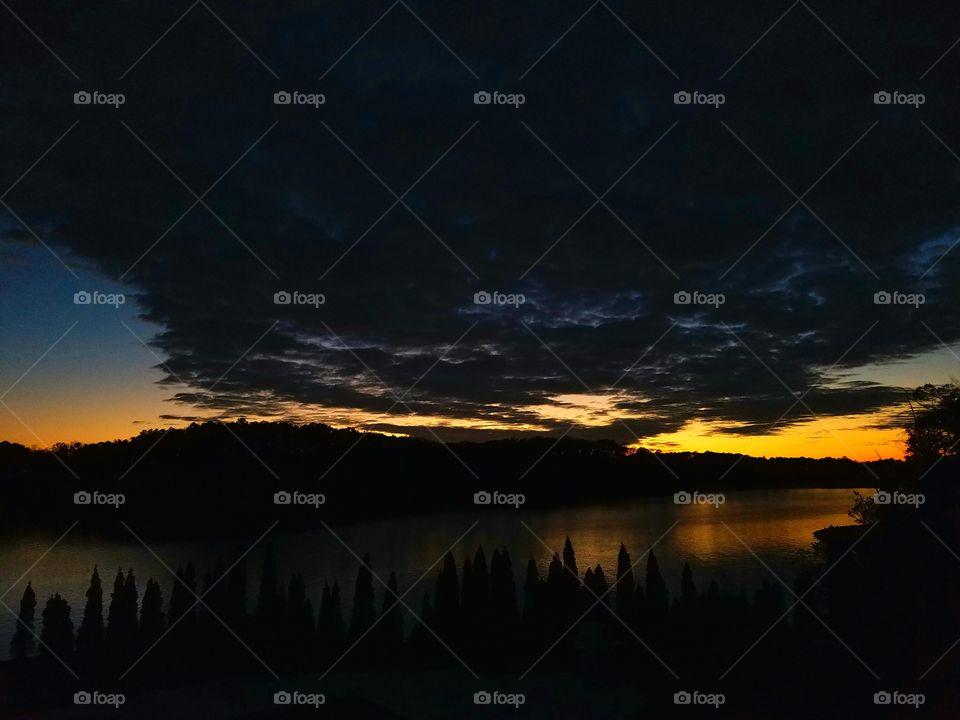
{"x": 211, "y": 475}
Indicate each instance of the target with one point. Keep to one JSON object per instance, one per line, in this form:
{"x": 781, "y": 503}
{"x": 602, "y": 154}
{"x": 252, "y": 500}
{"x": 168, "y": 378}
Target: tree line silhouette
{"x": 195, "y": 471}
{"x": 474, "y": 608}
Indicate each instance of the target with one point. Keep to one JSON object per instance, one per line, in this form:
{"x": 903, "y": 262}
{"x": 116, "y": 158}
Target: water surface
{"x": 740, "y": 543}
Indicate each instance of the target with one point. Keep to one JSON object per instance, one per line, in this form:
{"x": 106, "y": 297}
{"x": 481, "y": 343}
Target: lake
{"x": 718, "y": 542}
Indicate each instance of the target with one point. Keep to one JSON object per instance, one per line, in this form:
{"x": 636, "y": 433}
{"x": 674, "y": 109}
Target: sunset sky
{"x": 399, "y": 199}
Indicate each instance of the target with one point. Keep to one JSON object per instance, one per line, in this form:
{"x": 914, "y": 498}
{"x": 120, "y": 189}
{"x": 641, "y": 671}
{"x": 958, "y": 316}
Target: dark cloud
{"x": 507, "y": 202}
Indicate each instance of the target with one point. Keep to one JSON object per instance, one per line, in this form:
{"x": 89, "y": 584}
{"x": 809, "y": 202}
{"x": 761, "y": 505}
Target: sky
{"x": 782, "y": 199}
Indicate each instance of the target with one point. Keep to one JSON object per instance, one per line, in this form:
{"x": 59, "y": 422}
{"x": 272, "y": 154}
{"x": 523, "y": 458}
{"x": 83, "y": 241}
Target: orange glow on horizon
{"x": 121, "y": 416}
{"x": 852, "y": 436}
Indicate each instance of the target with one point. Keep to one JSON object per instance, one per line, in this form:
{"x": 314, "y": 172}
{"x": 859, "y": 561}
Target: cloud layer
{"x": 598, "y": 199}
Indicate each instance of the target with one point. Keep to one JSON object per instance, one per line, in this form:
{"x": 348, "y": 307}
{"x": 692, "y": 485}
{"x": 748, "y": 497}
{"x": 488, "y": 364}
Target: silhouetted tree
{"x": 130, "y": 598}
{"x": 181, "y": 598}
{"x": 236, "y": 614}
{"x": 298, "y": 622}
{"x": 90, "y": 634}
{"x": 323, "y": 650}
{"x": 936, "y": 428}
{"x": 686, "y": 619}
{"x": 122, "y": 627}
{"x": 571, "y": 577}
{"x": 364, "y": 609}
{"x": 503, "y": 591}
{"x": 331, "y": 631}
{"x": 390, "y": 629}
{"x": 218, "y": 599}
{"x": 268, "y": 599}
{"x": 570, "y": 558}
{"x": 556, "y": 579}
{"x": 424, "y": 648}
{"x": 476, "y": 615}
{"x": 532, "y": 591}
{"x": 57, "y": 633}
{"x": 688, "y": 591}
{"x": 466, "y": 586}
{"x": 481, "y": 582}
{"x": 22, "y": 643}
{"x": 598, "y": 584}
{"x": 625, "y": 589}
{"x": 115, "y": 615}
{"x": 151, "y": 614}
{"x": 657, "y": 597}
{"x": 208, "y": 633}
{"x": 446, "y": 608}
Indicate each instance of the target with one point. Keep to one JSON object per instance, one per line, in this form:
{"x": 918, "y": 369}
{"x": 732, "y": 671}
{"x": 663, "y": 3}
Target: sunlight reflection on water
{"x": 777, "y": 525}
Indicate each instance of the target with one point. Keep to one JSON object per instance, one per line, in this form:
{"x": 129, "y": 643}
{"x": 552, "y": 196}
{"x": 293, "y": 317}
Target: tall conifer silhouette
{"x": 364, "y": 607}
{"x": 57, "y": 632}
{"x": 624, "y": 600}
{"x": 22, "y": 643}
{"x": 90, "y": 634}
